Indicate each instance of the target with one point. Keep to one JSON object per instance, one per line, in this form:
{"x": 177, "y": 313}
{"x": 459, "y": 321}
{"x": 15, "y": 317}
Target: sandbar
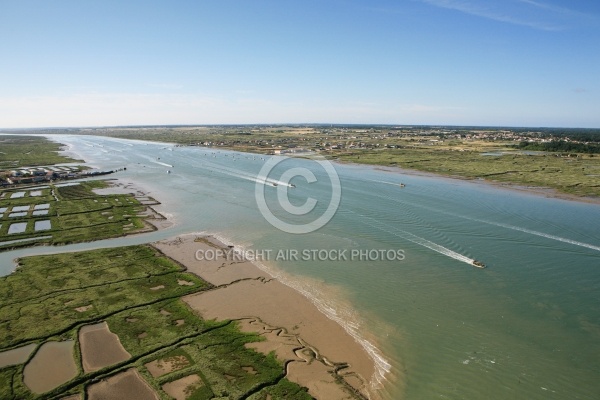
{"x": 278, "y": 312}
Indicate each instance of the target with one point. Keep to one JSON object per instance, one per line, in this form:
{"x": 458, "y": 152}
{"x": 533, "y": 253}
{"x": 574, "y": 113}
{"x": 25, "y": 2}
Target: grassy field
{"x": 38, "y": 303}
{"x": 577, "y": 175}
{"x": 29, "y": 151}
{"x": 76, "y": 214}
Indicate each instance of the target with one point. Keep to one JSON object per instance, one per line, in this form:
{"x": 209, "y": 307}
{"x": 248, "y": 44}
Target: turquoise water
{"x": 526, "y": 327}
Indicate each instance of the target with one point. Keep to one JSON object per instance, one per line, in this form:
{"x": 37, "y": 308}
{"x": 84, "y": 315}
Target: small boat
{"x": 478, "y": 264}
{"x": 274, "y": 184}
{"x": 402, "y": 185}
{"x": 168, "y": 171}
{"x": 292, "y": 185}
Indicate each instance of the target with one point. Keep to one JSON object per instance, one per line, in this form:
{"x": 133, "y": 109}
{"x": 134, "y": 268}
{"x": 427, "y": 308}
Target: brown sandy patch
{"x": 305, "y": 365}
{"x": 131, "y": 320}
{"x": 100, "y": 347}
{"x": 280, "y": 306}
{"x": 165, "y": 312}
{"x": 142, "y": 335}
{"x": 166, "y": 365}
{"x": 276, "y": 340}
{"x": 250, "y": 370}
{"x": 247, "y": 291}
{"x": 84, "y": 308}
{"x": 182, "y": 282}
{"x": 157, "y": 287}
{"x": 183, "y": 388}
{"x": 51, "y": 366}
{"x": 219, "y": 271}
{"x": 319, "y": 380}
{"x": 16, "y": 356}
{"x": 128, "y": 385}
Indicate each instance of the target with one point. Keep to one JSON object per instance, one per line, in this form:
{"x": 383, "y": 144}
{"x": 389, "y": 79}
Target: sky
{"x": 431, "y": 62}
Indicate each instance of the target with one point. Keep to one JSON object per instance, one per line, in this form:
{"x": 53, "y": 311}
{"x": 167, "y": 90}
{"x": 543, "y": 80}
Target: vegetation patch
{"x": 21, "y": 150}
{"x": 69, "y": 214}
{"x": 37, "y": 305}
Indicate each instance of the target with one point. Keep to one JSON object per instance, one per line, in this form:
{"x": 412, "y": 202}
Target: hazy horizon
{"x": 299, "y": 124}
{"x": 516, "y": 63}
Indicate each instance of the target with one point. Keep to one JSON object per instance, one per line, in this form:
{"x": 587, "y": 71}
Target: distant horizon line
{"x": 300, "y": 125}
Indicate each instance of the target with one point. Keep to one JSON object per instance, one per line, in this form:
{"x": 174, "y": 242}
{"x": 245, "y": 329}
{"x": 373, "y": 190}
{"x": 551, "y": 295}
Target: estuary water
{"x": 526, "y": 327}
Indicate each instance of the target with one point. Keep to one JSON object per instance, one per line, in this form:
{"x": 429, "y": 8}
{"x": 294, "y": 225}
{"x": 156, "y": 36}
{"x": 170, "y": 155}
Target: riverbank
{"x": 473, "y": 153}
{"x": 318, "y": 353}
{"x": 97, "y": 316}
{"x": 547, "y": 192}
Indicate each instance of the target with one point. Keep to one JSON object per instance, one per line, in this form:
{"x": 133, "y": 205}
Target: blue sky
{"x": 454, "y": 62}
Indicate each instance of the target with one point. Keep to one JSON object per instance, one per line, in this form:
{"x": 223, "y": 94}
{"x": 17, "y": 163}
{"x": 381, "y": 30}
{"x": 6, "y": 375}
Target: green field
{"x": 29, "y": 151}
{"x": 576, "y": 175}
{"x": 76, "y": 214}
{"x": 38, "y": 303}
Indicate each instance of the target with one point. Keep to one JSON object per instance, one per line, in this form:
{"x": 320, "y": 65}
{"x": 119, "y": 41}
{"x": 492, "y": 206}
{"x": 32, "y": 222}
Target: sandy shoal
{"x": 246, "y": 293}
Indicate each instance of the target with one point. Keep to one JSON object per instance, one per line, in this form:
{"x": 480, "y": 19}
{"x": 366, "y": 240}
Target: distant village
{"x": 298, "y": 140}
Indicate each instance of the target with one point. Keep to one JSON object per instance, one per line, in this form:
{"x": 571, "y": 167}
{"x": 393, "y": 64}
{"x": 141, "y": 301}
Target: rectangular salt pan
{"x": 19, "y": 227}
{"x": 39, "y": 212}
{"x": 42, "y": 225}
{"x": 20, "y": 208}
{"x": 35, "y": 193}
{"x": 41, "y": 206}
{"x": 3, "y": 209}
{"x": 17, "y": 214}
{"x": 17, "y": 195}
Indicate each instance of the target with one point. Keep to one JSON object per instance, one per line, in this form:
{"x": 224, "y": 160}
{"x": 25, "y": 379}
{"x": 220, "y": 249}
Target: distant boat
{"x": 292, "y": 185}
{"x": 168, "y": 171}
{"x": 402, "y": 185}
{"x": 478, "y": 264}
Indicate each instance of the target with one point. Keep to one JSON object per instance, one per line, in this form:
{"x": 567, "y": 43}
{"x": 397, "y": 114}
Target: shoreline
{"x": 539, "y": 191}
{"x": 317, "y": 351}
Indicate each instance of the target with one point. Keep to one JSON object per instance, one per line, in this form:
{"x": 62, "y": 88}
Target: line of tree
{"x": 561, "y": 146}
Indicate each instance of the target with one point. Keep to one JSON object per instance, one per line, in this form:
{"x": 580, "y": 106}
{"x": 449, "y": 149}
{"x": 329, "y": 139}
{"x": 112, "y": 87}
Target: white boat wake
{"x": 415, "y": 239}
{"x": 499, "y": 224}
